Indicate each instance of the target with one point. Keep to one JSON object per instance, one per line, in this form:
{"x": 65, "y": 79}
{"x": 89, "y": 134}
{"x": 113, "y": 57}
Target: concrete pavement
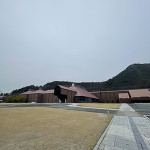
{"x": 127, "y": 132}
{"x": 142, "y": 108}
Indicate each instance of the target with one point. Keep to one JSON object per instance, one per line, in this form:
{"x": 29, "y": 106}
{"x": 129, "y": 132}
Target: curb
{"x": 103, "y": 135}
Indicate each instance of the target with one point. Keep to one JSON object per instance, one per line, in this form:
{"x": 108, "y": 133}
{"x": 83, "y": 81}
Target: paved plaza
{"x": 127, "y": 132}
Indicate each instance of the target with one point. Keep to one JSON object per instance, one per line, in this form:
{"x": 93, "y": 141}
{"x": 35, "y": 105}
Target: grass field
{"x": 37, "y": 128}
{"x": 102, "y": 105}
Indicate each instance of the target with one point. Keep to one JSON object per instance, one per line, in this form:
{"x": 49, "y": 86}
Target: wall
{"x": 49, "y": 98}
{"x": 70, "y": 95}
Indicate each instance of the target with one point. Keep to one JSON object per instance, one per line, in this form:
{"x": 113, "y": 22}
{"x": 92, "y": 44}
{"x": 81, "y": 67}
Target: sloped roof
{"x": 48, "y": 91}
{"x": 66, "y": 88}
{"x": 139, "y": 93}
{"x": 123, "y": 95}
{"x": 39, "y": 92}
{"x": 82, "y": 92}
{"x": 102, "y": 91}
{"x": 28, "y": 92}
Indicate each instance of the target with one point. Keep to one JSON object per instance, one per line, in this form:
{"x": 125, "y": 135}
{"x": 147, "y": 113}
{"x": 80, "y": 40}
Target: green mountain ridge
{"x": 135, "y": 76}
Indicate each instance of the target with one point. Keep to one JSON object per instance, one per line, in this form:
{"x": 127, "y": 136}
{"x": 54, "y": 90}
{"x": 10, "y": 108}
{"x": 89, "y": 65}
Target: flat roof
{"x": 139, "y": 93}
{"x": 123, "y": 95}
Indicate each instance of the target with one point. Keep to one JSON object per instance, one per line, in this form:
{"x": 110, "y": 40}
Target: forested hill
{"x": 24, "y": 89}
{"x": 133, "y": 77}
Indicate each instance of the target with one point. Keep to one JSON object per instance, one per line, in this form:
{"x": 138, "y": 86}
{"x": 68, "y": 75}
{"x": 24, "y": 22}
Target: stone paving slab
{"x": 127, "y": 133}
{"x": 126, "y": 107}
{"x": 119, "y": 135}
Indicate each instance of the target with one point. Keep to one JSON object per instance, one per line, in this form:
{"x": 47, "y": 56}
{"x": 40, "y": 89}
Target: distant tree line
{"x": 24, "y": 89}
{"x": 16, "y": 99}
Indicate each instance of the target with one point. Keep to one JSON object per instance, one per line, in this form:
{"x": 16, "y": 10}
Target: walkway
{"x": 72, "y": 106}
{"x": 127, "y": 133}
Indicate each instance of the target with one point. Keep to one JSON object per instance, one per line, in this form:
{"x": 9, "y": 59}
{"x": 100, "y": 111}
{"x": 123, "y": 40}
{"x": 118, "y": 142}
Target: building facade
{"x": 75, "y": 94}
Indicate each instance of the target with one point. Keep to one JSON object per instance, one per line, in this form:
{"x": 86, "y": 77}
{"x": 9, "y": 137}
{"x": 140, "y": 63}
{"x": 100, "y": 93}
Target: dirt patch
{"x": 49, "y": 128}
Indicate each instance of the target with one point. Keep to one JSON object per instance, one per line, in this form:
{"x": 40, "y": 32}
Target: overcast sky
{"x": 70, "y": 40}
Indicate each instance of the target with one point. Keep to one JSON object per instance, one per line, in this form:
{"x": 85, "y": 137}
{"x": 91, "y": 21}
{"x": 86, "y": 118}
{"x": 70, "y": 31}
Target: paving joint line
{"x": 139, "y": 140}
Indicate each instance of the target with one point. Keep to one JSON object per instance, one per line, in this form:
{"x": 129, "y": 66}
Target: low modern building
{"x": 75, "y": 94}
{"x": 64, "y": 94}
{"x": 40, "y": 96}
{"x": 29, "y": 95}
{"x": 124, "y": 98}
{"x": 49, "y": 97}
{"x": 107, "y": 96}
{"x": 60, "y": 94}
{"x": 140, "y": 95}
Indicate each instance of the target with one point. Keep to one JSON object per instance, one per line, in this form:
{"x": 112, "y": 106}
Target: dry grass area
{"x": 37, "y": 128}
{"x": 101, "y": 105}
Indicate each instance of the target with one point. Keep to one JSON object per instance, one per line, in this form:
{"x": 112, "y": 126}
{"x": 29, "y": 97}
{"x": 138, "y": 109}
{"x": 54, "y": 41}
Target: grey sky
{"x": 71, "y": 40}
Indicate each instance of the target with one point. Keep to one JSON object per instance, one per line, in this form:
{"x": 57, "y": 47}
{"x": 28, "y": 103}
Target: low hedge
{"x": 16, "y": 99}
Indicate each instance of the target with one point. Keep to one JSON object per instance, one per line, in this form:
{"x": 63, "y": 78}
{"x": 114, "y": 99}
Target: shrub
{"x": 16, "y": 99}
